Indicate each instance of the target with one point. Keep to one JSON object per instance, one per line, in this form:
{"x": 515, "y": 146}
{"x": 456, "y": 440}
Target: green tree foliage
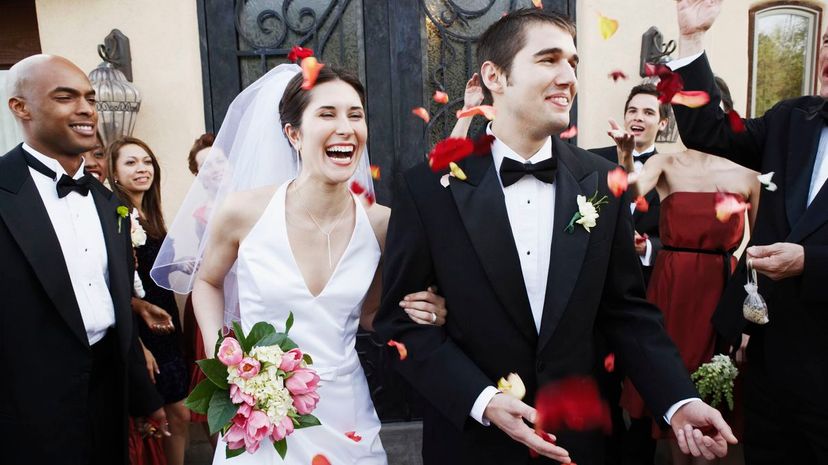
{"x": 781, "y": 55}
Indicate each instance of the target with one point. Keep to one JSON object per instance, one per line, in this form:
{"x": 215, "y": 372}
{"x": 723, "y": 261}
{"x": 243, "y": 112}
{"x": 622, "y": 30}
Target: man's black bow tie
{"x": 511, "y": 171}
{"x": 65, "y": 184}
{"x": 644, "y": 156}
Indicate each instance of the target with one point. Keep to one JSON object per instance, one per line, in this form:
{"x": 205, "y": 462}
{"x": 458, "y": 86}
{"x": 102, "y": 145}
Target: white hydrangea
{"x": 272, "y": 397}
{"x": 268, "y": 354}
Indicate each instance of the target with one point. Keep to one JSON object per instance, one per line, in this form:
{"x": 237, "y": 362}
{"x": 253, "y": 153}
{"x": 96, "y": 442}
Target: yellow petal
{"x": 608, "y": 26}
{"x": 457, "y": 172}
{"x": 512, "y": 386}
{"x": 503, "y": 385}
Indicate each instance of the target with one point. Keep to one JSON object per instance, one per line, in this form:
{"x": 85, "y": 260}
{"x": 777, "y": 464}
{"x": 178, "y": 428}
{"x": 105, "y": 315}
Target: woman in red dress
{"x": 696, "y": 259}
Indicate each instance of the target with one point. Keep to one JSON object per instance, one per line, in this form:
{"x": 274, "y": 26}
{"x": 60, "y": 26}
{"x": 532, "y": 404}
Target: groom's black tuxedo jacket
{"x": 792, "y": 350}
{"x": 645, "y": 222}
{"x": 459, "y": 237}
{"x": 45, "y": 403}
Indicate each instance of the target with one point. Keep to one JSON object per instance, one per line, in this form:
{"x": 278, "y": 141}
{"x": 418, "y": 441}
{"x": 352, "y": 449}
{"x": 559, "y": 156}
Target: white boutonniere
{"x": 587, "y": 214}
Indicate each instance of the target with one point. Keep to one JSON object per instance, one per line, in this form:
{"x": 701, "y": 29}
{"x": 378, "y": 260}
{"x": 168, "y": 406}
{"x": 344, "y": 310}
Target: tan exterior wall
{"x": 166, "y": 68}
{"x": 599, "y": 98}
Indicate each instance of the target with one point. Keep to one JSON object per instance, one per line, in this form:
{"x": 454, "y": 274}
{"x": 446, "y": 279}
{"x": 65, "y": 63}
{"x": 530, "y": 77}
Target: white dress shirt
{"x": 78, "y": 229}
{"x": 647, "y": 258}
{"x": 820, "y": 173}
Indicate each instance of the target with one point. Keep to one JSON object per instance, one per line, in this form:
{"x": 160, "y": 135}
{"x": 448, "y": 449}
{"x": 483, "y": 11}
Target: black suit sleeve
{"x": 435, "y": 366}
{"x": 634, "y": 328}
{"x": 813, "y": 276}
{"x": 707, "y": 128}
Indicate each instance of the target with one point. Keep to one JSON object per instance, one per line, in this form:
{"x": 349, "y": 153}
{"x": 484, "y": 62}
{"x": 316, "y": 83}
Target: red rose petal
{"x": 569, "y": 133}
{"x": 310, "y": 71}
{"x": 617, "y": 181}
{"x": 449, "y": 150}
{"x": 616, "y": 75}
{"x": 728, "y": 205}
{"x": 401, "y": 349}
{"x": 736, "y": 123}
{"x": 353, "y": 436}
{"x": 369, "y": 197}
{"x": 609, "y": 362}
{"x": 357, "y": 188}
{"x": 320, "y": 459}
{"x": 641, "y": 204}
{"x": 573, "y": 403}
{"x": 298, "y": 53}
{"x": 538, "y": 3}
{"x": 691, "y": 98}
{"x": 483, "y": 144}
{"x": 375, "y": 172}
{"x": 486, "y": 111}
{"x": 440, "y": 97}
{"x": 422, "y": 113}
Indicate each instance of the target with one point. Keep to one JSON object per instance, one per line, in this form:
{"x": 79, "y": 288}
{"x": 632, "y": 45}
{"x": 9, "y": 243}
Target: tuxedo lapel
{"x": 806, "y": 126}
{"x": 815, "y": 216}
{"x": 116, "y": 258}
{"x": 26, "y": 218}
{"x": 482, "y": 208}
{"x": 568, "y": 249}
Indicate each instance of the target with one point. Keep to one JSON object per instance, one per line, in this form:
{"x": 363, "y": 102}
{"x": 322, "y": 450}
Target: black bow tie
{"x": 644, "y": 156}
{"x": 65, "y": 184}
{"x": 511, "y": 171}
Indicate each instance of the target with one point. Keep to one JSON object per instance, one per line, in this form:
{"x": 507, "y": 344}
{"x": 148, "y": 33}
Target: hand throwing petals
{"x": 421, "y": 113}
{"x": 310, "y": 71}
{"x": 401, "y": 349}
{"x": 487, "y": 111}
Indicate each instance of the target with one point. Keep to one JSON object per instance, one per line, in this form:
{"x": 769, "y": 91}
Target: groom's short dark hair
{"x": 506, "y": 37}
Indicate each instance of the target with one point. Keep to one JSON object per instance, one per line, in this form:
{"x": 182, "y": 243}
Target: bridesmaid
{"x": 136, "y": 179}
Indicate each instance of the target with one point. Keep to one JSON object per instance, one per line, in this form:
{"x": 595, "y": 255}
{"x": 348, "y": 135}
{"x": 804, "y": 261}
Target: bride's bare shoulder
{"x": 241, "y": 210}
{"x": 378, "y": 216}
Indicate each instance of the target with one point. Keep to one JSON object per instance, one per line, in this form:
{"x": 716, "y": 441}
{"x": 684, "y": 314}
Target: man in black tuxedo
{"x": 786, "y": 388}
{"x": 67, "y": 341}
{"x": 525, "y": 293}
{"x": 644, "y": 118}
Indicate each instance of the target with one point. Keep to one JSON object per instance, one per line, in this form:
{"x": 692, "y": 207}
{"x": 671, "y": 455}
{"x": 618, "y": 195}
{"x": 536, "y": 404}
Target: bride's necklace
{"x": 327, "y": 234}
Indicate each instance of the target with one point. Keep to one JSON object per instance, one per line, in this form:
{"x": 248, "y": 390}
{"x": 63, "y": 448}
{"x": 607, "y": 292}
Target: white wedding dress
{"x": 270, "y": 286}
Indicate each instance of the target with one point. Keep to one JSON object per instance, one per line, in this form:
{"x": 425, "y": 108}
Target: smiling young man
{"x": 526, "y": 294}
{"x": 74, "y": 369}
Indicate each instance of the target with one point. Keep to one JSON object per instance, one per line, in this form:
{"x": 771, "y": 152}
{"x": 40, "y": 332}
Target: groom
{"x": 524, "y": 294}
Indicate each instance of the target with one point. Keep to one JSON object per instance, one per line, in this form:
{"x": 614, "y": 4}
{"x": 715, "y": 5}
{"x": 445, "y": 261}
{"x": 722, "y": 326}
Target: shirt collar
{"x": 53, "y": 164}
{"x": 500, "y": 151}
{"x": 649, "y": 149}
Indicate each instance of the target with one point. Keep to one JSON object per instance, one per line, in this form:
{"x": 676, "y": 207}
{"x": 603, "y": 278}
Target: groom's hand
{"x": 701, "y": 430}
{"x": 508, "y": 414}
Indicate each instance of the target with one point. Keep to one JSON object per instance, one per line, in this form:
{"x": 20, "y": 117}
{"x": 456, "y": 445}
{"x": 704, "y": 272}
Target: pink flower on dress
{"x": 302, "y": 381}
{"x": 282, "y": 429}
{"x": 230, "y": 352}
{"x": 237, "y": 396}
{"x": 305, "y": 403}
{"x": 257, "y": 428}
{"x": 249, "y": 367}
{"x": 291, "y": 360}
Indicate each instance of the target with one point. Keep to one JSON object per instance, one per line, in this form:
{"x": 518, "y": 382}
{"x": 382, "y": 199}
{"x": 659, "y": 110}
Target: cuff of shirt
{"x": 481, "y": 403}
{"x": 672, "y": 410}
{"x": 681, "y": 62}
{"x": 648, "y": 255}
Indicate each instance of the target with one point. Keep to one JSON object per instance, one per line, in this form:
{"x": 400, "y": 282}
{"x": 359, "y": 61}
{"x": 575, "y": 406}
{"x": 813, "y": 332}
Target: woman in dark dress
{"x": 136, "y": 179}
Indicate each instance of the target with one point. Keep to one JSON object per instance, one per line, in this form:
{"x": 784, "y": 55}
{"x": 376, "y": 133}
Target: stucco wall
{"x": 166, "y": 68}
{"x": 599, "y": 98}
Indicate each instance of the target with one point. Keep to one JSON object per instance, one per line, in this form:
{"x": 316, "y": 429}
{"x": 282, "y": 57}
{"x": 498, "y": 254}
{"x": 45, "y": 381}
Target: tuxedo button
{"x": 540, "y": 366}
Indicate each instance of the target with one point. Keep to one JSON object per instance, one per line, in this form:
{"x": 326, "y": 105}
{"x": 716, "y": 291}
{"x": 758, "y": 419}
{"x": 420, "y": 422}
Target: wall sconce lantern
{"x": 118, "y": 100}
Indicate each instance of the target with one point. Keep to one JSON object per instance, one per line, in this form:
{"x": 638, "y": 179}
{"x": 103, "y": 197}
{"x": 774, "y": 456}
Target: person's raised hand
{"x": 624, "y": 142}
{"x": 696, "y": 16}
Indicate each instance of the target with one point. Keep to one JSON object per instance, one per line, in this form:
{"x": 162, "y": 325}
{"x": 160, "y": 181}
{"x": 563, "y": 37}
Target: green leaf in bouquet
{"x": 258, "y": 332}
{"x": 199, "y": 400}
{"x": 215, "y": 372}
{"x": 221, "y": 411}
{"x": 230, "y": 453}
{"x": 306, "y": 421}
{"x": 275, "y": 339}
{"x": 239, "y": 334}
{"x": 288, "y": 344}
{"x": 289, "y": 323}
{"x": 281, "y": 447}
{"x": 218, "y": 343}
{"x": 307, "y": 358}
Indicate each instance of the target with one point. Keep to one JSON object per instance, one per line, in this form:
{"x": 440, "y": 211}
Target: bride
{"x": 305, "y": 244}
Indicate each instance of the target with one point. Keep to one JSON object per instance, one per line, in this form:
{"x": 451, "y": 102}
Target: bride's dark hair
{"x": 295, "y": 99}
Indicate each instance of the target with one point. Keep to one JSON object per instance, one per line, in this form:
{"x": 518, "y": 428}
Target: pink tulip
{"x": 291, "y": 360}
{"x": 249, "y": 367}
{"x": 244, "y": 410}
{"x": 237, "y": 396}
{"x": 305, "y": 403}
{"x": 282, "y": 429}
{"x": 235, "y": 436}
{"x": 230, "y": 352}
{"x": 302, "y": 381}
{"x": 258, "y": 427}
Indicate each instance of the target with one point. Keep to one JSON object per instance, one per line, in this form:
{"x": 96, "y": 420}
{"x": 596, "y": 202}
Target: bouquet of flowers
{"x": 259, "y": 387}
{"x": 714, "y": 380}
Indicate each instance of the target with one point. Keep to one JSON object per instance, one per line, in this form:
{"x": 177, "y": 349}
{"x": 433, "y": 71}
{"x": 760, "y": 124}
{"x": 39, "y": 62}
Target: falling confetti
{"x": 357, "y": 188}
{"x": 400, "y": 348}
{"x": 608, "y": 26}
{"x": 299, "y": 53}
{"x": 440, "y": 97}
{"x": 320, "y": 459}
{"x": 736, "y": 123}
{"x": 573, "y": 403}
{"x": 375, "y": 172}
{"x": 617, "y": 181}
{"x": 422, "y": 113}
{"x": 641, "y": 204}
{"x": 310, "y": 71}
{"x": 457, "y": 172}
{"x": 765, "y": 180}
{"x": 538, "y": 3}
{"x": 512, "y": 385}
{"x": 729, "y": 204}
{"x": 449, "y": 150}
{"x": 569, "y": 133}
{"x": 487, "y": 111}
{"x": 369, "y": 198}
{"x": 669, "y": 83}
{"x": 609, "y": 362}
{"x": 616, "y": 75}
{"x": 353, "y": 436}
{"x": 691, "y": 98}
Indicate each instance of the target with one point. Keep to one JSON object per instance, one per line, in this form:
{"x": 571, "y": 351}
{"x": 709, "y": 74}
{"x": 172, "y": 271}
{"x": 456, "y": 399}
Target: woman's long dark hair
{"x": 153, "y": 220}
